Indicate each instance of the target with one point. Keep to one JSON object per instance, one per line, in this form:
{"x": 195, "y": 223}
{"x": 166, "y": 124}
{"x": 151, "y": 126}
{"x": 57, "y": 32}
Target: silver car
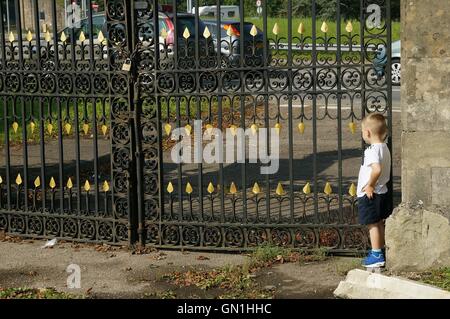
{"x": 396, "y": 65}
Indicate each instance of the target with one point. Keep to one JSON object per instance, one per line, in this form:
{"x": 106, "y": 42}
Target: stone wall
{"x": 418, "y": 233}
{"x": 426, "y": 101}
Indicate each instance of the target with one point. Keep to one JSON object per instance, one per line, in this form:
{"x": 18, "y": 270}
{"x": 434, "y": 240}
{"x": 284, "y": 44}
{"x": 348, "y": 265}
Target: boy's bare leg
{"x": 382, "y": 232}
{"x": 376, "y": 236}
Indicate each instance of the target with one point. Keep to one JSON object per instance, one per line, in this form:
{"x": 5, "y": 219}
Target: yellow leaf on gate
{"x": 12, "y": 38}
{"x": 15, "y": 127}
{"x": 50, "y": 128}
{"x": 19, "y": 180}
{"x": 211, "y": 188}
{"x": 280, "y": 190}
{"x": 37, "y": 182}
{"x": 105, "y": 187}
{"x": 256, "y": 189}
{"x": 233, "y": 188}
{"x": 307, "y": 189}
{"x": 189, "y": 188}
{"x": 86, "y": 128}
{"x": 52, "y": 183}
{"x": 68, "y": 128}
{"x": 352, "y": 191}
{"x": 1, "y": 180}
{"x": 301, "y": 128}
{"x": 170, "y": 188}
{"x": 104, "y": 129}
{"x": 328, "y": 189}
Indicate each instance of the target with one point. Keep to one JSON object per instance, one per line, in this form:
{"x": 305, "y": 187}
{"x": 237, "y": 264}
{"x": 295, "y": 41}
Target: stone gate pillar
{"x": 418, "y": 234}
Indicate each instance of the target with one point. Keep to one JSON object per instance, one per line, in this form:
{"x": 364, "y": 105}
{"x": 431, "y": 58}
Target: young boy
{"x": 373, "y": 201}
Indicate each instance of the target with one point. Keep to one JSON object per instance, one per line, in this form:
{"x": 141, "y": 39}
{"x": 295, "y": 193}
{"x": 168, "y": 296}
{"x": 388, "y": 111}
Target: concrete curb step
{"x": 361, "y": 284}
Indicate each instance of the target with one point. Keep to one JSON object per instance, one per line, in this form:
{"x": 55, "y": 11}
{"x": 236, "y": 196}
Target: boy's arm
{"x": 374, "y": 176}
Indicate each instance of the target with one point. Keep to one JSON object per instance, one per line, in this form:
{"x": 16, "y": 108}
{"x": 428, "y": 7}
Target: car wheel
{"x": 396, "y": 72}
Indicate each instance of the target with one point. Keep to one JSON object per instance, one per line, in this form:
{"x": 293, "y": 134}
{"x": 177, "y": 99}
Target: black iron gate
{"x": 90, "y": 114}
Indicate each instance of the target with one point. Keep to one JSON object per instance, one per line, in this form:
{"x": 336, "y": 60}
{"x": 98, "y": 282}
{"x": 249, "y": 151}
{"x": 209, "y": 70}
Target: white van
{"x": 227, "y": 12}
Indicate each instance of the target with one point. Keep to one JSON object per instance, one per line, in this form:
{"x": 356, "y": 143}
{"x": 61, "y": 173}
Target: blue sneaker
{"x": 374, "y": 260}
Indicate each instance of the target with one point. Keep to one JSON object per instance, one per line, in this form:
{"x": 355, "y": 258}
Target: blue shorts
{"x": 375, "y": 210}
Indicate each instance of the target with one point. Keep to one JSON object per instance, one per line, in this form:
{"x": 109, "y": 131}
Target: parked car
{"x": 226, "y": 12}
{"x": 230, "y": 38}
{"x": 396, "y": 63}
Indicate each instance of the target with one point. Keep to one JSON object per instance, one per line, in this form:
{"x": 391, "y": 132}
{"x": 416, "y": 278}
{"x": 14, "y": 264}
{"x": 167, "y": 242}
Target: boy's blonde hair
{"x": 376, "y": 123}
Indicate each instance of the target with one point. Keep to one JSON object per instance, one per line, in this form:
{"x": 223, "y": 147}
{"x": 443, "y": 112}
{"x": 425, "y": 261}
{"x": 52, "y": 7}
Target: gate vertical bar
{"x": 389, "y": 93}
{"x": 339, "y": 106}
{"x": 314, "y": 71}
{"x": 290, "y": 115}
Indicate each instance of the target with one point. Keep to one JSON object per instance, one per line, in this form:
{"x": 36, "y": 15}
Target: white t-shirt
{"x": 375, "y": 154}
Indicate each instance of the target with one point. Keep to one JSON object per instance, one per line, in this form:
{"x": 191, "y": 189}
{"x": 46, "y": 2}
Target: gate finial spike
{"x": 186, "y": 33}
{"x": 170, "y": 188}
{"x": 233, "y": 188}
{"x": 352, "y": 126}
{"x": 328, "y": 189}
{"x": 352, "y": 191}
{"x": 52, "y": 183}
{"x": 254, "y": 31}
{"x": 48, "y": 36}
{"x": 301, "y": 28}
{"x": 29, "y": 36}
{"x": 69, "y": 183}
{"x": 280, "y": 190}
{"x": 301, "y": 128}
{"x": 206, "y": 33}
{"x": 37, "y": 182}
{"x": 349, "y": 27}
{"x": 87, "y": 186}
{"x": 19, "y": 180}
{"x": 189, "y": 188}
{"x": 106, "y": 186}
{"x": 256, "y": 189}
{"x": 324, "y": 27}
{"x": 276, "y": 29}
{"x": 32, "y": 127}
{"x": 100, "y": 37}
{"x": 15, "y": 127}
{"x": 211, "y": 188}
{"x": 307, "y": 189}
